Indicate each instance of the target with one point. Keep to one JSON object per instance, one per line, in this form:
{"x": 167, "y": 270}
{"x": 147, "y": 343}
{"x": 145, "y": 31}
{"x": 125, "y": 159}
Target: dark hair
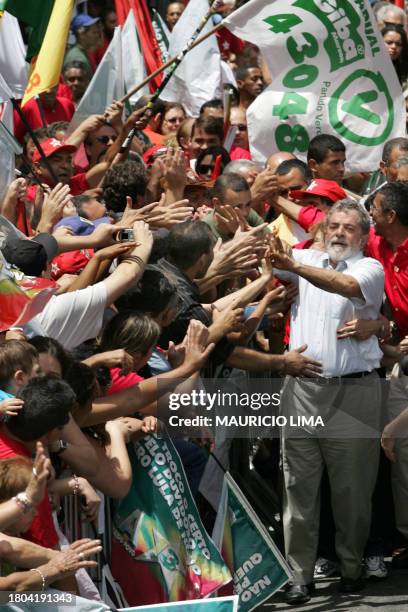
{"x": 135, "y": 332}
{"x": 48, "y": 400}
{"x": 82, "y": 380}
{"x": 75, "y": 64}
{"x": 242, "y": 71}
{"x": 125, "y": 179}
{"x": 159, "y": 106}
{"x": 210, "y": 125}
{"x": 289, "y": 164}
{"x": 86, "y": 350}
{"x": 15, "y": 355}
{"x": 214, "y": 152}
{"x": 78, "y": 202}
{"x": 214, "y": 103}
{"x": 400, "y": 64}
{"x": 188, "y": 241}
{"x": 57, "y": 126}
{"x": 321, "y": 144}
{"x": 395, "y": 143}
{"x": 52, "y": 347}
{"x": 395, "y": 198}
{"x": 232, "y": 181}
{"x": 152, "y": 293}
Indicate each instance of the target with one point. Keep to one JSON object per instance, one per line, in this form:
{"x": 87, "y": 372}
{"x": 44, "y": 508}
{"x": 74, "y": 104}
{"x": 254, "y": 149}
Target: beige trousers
{"x": 349, "y": 446}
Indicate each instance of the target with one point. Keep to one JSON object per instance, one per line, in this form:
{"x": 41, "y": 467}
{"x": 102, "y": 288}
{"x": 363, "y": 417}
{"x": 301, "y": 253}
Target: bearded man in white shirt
{"x": 335, "y": 286}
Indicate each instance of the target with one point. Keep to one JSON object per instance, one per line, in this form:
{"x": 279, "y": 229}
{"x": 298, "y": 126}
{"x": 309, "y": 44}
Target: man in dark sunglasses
{"x": 239, "y": 120}
{"x": 98, "y": 142}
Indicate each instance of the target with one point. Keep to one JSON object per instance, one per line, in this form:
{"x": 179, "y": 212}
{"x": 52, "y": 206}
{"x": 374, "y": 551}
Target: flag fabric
{"x": 9, "y": 147}
{"x": 21, "y": 297}
{"x": 162, "y": 34}
{"x": 161, "y": 551}
{"x": 46, "y": 68}
{"x": 198, "y": 77}
{"x": 148, "y": 42}
{"x": 330, "y": 74}
{"x": 106, "y": 84}
{"x": 134, "y": 71}
{"x": 13, "y": 66}
{"x": 257, "y": 567}
{"x": 215, "y": 604}
{"x": 34, "y": 13}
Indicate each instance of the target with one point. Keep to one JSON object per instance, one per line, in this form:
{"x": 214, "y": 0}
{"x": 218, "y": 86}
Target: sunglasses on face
{"x": 103, "y": 139}
{"x": 241, "y": 127}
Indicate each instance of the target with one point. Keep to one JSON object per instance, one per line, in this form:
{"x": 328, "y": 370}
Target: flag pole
{"x": 193, "y": 42}
{"x": 34, "y": 138}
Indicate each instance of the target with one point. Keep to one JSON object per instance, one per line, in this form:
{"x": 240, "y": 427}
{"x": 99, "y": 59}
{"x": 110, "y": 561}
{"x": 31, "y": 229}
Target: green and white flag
{"x": 162, "y": 34}
{"x": 217, "y": 604}
{"x": 257, "y": 567}
{"x": 330, "y": 74}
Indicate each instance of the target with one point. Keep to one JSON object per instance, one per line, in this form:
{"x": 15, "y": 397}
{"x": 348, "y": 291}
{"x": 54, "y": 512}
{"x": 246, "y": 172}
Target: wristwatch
{"x": 59, "y": 447}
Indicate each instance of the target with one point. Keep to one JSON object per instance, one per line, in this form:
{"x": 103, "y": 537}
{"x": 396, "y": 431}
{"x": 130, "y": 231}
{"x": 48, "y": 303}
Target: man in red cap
{"x": 316, "y": 200}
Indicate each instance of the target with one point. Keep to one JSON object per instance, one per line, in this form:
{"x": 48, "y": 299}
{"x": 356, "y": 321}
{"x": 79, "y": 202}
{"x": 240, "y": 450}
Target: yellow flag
{"x": 46, "y": 67}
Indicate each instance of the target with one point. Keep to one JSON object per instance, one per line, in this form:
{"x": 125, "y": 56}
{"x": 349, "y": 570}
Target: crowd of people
{"x": 174, "y": 258}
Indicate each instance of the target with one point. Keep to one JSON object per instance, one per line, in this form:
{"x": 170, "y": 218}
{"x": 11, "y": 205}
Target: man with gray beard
{"x": 335, "y": 286}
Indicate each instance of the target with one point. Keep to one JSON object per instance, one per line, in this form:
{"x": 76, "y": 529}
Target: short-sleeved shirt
{"x": 316, "y": 309}
{"x": 62, "y": 110}
{"x": 395, "y": 265}
{"x": 254, "y": 220}
{"x": 42, "y": 530}
{"x": 77, "y": 54}
{"x": 72, "y": 318}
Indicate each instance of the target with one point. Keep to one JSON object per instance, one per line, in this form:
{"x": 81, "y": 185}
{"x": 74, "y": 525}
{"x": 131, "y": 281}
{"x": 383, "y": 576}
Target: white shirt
{"x": 316, "y": 315}
{"x": 72, "y": 318}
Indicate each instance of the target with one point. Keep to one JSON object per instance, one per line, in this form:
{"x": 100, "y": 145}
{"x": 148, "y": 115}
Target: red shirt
{"x": 77, "y": 184}
{"x": 42, "y": 530}
{"x": 119, "y": 382}
{"x": 395, "y": 265}
{"x": 239, "y": 153}
{"x": 62, "y": 111}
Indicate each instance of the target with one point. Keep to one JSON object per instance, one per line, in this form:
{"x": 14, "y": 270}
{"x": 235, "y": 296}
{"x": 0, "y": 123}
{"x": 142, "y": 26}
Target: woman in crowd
{"x": 173, "y": 116}
{"x": 395, "y": 40}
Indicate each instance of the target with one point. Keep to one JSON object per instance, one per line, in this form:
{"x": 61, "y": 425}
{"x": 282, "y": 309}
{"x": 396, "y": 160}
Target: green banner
{"x": 257, "y": 567}
{"x": 158, "y": 523}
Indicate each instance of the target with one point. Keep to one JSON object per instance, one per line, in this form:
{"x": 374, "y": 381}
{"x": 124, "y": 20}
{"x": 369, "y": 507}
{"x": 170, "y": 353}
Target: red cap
{"x": 52, "y": 145}
{"x": 322, "y": 188}
{"x": 71, "y": 262}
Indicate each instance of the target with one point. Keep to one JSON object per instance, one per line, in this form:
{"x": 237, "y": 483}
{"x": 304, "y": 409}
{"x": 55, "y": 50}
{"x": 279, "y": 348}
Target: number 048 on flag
{"x": 331, "y": 74}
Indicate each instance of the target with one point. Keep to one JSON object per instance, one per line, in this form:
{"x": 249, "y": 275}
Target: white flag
{"x": 106, "y": 84}
{"x": 198, "y": 78}
{"x": 134, "y": 70}
{"x": 330, "y": 74}
{"x": 9, "y": 147}
{"x": 13, "y": 66}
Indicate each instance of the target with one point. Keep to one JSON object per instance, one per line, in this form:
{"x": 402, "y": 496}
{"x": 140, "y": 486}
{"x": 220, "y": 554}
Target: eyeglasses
{"x": 174, "y": 120}
{"x": 241, "y": 127}
{"x": 104, "y": 139}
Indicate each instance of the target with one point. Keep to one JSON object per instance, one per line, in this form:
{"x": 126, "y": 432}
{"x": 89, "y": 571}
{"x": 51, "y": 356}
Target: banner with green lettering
{"x": 331, "y": 74}
{"x": 257, "y": 567}
{"x": 162, "y": 551}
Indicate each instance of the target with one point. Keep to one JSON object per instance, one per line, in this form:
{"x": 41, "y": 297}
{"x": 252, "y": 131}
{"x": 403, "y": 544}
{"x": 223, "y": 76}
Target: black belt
{"x": 355, "y": 374}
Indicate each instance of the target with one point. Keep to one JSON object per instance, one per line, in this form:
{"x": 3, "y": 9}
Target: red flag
{"x": 148, "y": 42}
